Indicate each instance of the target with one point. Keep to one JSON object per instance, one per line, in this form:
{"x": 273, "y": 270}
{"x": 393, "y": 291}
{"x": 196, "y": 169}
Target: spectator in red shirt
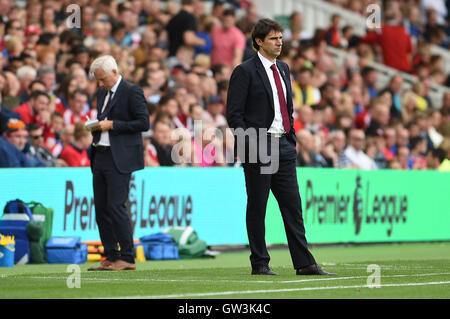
{"x": 418, "y": 150}
{"x": 159, "y": 151}
{"x": 30, "y": 112}
{"x": 68, "y": 85}
{"x": 78, "y": 108}
{"x": 52, "y": 132}
{"x": 66, "y": 138}
{"x": 333, "y": 34}
{"x": 35, "y": 85}
{"x": 75, "y": 154}
{"x": 390, "y": 136}
{"x": 395, "y": 45}
{"x": 304, "y": 118}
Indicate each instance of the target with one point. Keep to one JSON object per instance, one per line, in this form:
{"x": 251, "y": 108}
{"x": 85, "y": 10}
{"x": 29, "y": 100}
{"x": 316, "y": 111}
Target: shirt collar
{"x": 114, "y": 88}
{"x": 354, "y": 150}
{"x": 266, "y": 62}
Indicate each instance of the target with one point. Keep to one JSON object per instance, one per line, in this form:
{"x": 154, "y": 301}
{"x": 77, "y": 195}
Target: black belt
{"x": 277, "y": 135}
{"x": 101, "y": 148}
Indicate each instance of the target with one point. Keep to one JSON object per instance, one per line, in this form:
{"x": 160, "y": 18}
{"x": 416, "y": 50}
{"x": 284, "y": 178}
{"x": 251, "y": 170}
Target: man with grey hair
{"x": 117, "y": 151}
{"x": 339, "y": 141}
{"x": 25, "y": 74}
{"x": 47, "y": 75}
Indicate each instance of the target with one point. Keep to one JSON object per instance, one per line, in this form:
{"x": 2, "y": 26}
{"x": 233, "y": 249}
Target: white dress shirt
{"x": 359, "y": 158}
{"x": 277, "y": 124}
{"x": 104, "y": 138}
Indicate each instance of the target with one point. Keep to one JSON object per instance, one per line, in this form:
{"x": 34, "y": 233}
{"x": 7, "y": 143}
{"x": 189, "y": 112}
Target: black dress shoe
{"x": 314, "y": 269}
{"x": 263, "y": 270}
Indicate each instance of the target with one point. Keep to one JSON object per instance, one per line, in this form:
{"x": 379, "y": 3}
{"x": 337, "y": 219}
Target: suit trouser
{"x": 110, "y": 196}
{"x": 284, "y": 186}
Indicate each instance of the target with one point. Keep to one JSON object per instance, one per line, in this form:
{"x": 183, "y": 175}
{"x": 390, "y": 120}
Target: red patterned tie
{"x": 283, "y": 107}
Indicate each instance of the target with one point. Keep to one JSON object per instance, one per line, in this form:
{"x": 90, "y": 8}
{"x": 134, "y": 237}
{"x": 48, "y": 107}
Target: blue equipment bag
{"x": 159, "y": 246}
{"x": 66, "y": 250}
{"x": 16, "y": 216}
{"x": 17, "y": 206}
{"x": 7, "y": 249}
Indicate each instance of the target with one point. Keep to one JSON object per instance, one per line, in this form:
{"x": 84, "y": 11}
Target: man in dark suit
{"x": 260, "y": 98}
{"x": 116, "y": 152}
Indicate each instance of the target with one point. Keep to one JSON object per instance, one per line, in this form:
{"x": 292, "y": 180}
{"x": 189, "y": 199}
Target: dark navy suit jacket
{"x": 250, "y": 97}
{"x": 130, "y": 115}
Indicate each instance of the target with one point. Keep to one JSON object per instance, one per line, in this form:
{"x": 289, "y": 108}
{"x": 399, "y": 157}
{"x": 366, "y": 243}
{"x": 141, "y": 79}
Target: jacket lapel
{"x": 100, "y": 101}
{"x": 117, "y": 94}
{"x": 263, "y": 75}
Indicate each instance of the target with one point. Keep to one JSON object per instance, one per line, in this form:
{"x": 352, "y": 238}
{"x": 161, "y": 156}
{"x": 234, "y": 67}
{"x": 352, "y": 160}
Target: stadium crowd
{"x": 182, "y": 56}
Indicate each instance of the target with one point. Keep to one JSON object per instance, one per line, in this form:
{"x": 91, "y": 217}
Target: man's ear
{"x": 259, "y": 41}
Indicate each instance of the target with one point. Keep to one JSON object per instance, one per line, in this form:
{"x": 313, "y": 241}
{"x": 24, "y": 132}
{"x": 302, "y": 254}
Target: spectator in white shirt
{"x": 354, "y": 151}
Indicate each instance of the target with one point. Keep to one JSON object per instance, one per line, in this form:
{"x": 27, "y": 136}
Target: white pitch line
{"x": 395, "y": 267}
{"x": 227, "y": 293}
{"x": 151, "y": 280}
{"x": 234, "y": 281}
{"x": 356, "y": 277}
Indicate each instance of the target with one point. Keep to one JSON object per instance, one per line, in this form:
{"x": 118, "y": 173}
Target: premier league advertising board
{"x": 339, "y": 206}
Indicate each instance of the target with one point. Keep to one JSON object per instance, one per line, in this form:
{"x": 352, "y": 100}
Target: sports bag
{"x": 189, "y": 245}
{"x": 43, "y": 215}
{"x": 66, "y": 250}
{"x": 18, "y": 206}
{"x": 16, "y": 216}
{"x": 159, "y": 246}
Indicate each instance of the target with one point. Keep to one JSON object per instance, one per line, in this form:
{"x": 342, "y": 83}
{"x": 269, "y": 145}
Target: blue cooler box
{"x": 66, "y": 250}
{"x": 159, "y": 246}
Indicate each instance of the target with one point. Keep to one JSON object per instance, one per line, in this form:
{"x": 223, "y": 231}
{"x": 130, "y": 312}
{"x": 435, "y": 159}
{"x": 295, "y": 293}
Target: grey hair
{"x": 43, "y": 70}
{"x": 334, "y": 133}
{"x": 24, "y": 71}
{"x": 106, "y": 62}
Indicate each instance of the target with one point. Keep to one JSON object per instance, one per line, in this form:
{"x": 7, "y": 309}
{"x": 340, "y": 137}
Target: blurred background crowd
{"x": 182, "y": 54}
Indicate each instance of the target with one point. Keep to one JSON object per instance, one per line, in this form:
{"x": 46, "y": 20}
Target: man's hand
{"x": 45, "y": 116}
{"x": 103, "y": 126}
{"x": 61, "y": 163}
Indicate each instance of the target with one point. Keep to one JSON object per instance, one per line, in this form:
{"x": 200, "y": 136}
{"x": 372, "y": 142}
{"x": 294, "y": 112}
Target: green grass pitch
{"x": 414, "y": 270}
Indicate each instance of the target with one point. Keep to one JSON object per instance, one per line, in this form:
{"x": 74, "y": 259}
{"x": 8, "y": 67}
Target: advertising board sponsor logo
{"x": 362, "y": 207}
{"x": 146, "y": 210}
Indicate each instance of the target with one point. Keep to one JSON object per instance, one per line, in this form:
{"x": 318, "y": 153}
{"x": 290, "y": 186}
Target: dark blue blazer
{"x": 250, "y": 97}
{"x": 130, "y": 115}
